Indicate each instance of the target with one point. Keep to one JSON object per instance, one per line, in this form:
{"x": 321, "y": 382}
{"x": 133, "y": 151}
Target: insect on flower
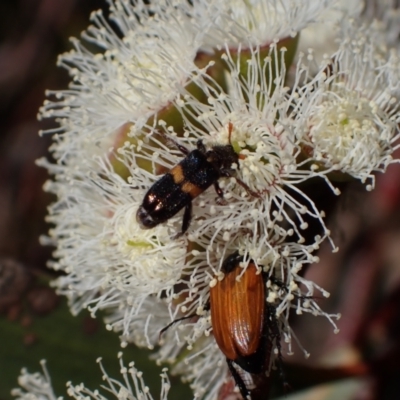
{"x": 244, "y": 324}
{"x": 200, "y": 169}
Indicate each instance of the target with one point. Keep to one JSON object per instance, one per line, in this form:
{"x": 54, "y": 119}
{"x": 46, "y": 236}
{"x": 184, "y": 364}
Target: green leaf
{"x": 71, "y": 346}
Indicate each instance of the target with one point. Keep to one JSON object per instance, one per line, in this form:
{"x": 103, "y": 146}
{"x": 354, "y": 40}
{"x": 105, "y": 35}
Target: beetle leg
{"x": 238, "y": 380}
{"x": 247, "y": 189}
{"x": 221, "y": 202}
{"x": 201, "y": 147}
{"x": 227, "y": 173}
{"x": 219, "y": 191}
{"x": 187, "y": 216}
{"x": 220, "y": 199}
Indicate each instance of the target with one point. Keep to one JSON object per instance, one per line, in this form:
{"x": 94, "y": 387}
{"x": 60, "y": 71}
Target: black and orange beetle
{"x": 200, "y": 169}
{"x": 244, "y": 324}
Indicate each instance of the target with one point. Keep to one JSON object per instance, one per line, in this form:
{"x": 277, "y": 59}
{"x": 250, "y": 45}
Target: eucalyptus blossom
{"x": 37, "y": 386}
{"x": 136, "y": 70}
{"x": 347, "y": 115}
{"x": 256, "y": 23}
{"x": 170, "y": 75}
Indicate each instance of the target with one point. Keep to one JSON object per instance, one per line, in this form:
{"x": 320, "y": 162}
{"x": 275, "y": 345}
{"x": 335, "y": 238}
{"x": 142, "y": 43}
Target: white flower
{"x": 144, "y": 279}
{"x": 386, "y": 15}
{"x": 382, "y": 20}
{"x": 111, "y": 148}
{"x": 132, "y": 386}
{"x": 130, "y": 80}
{"x": 35, "y": 386}
{"x": 189, "y": 343}
{"x": 322, "y": 35}
{"x": 253, "y": 116}
{"x": 348, "y": 115}
{"x": 38, "y": 387}
{"x": 101, "y": 247}
{"x": 206, "y": 369}
{"x": 255, "y": 22}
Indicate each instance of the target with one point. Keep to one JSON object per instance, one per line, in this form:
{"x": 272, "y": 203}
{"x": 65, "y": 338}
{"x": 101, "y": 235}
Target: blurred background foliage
{"x": 362, "y": 362}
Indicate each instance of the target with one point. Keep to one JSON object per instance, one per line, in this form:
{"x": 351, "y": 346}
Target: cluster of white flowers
{"x": 37, "y": 386}
{"x": 224, "y": 73}
{"x": 34, "y": 386}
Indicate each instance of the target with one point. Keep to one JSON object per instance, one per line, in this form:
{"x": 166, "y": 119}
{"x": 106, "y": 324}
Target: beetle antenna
{"x": 247, "y": 189}
{"x": 169, "y": 141}
{"x": 173, "y": 323}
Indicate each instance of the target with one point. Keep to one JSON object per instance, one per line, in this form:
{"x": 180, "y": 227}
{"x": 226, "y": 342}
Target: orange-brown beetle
{"x": 244, "y": 324}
